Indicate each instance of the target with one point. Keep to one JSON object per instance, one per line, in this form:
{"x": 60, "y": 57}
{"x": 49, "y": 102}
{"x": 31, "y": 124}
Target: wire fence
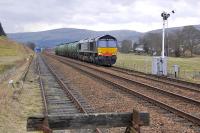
{"x": 189, "y": 75}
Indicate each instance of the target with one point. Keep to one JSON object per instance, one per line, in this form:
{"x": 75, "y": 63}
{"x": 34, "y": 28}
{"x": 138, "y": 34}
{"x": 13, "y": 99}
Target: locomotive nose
{"x": 107, "y": 51}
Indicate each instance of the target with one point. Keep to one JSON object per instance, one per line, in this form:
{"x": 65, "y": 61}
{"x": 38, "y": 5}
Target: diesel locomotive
{"x": 100, "y": 50}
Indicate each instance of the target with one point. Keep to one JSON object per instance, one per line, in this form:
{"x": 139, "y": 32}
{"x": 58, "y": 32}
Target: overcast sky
{"x": 100, "y": 15}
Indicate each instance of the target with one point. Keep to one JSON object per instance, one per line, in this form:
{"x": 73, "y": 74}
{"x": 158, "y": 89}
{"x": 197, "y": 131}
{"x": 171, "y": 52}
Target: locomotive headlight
{"x": 100, "y": 53}
{"x": 114, "y": 53}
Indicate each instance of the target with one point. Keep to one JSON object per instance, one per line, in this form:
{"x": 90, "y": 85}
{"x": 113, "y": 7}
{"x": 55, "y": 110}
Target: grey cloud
{"x": 16, "y": 14}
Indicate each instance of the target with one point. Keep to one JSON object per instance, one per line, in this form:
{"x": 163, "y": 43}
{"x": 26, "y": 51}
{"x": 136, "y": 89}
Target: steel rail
{"x": 156, "y": 79}
{"x": 193, "y": 101}
{"x": 178, "y": 112}
{"x": 172, "y": 81}
{"x": 45, "y": 126}
{"x": 70, "y": 94}
{"x": 64, "y": 87}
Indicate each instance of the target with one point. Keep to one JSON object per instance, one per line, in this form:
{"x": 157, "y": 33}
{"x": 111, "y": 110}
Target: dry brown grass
{"x": 17, "y": 104}
{"x": 15, "y": 107}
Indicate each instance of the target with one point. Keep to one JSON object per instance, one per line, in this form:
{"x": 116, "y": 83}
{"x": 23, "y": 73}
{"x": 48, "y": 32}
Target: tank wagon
{"x": 100, "y": 50}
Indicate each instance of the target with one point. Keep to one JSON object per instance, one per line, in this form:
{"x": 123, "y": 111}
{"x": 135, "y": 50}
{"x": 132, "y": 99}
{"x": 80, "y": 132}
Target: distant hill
{"x": 2, "y": 33}
{"x": 173, "y": 29}
{"x": 51, "y": 38}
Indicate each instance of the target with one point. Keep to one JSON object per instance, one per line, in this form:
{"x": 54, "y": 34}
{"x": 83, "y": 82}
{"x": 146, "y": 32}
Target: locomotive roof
{"x": 97, "y": 38}
{"x": 90, "y": 39}
{"x": 106, "y": 37}
{"x": 66, "y": 43}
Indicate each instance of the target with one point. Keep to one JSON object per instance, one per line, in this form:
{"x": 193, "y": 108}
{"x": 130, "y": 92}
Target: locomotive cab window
{"x": 102, "y": 43}
{"x": 79, "y": 46}
{"x": 107, "y": 43}
{"x": 112, "y": 43}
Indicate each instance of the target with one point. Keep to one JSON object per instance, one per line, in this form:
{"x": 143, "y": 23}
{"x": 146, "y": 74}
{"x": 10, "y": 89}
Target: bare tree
{"x": 197, "y": 49}
{"x": 31, "y": 45}
{"x": 135, "y": 45}
{"x": 175, "y": 42}
{"x": 184, "y": 39}
{"x": 151, "y": 42}
{"x": 126, "y": 46}
{"x": 191, "y": 38}
{"x": 143, "y": 41}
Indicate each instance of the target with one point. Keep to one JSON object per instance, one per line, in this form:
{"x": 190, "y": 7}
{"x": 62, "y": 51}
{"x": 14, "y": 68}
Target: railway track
{"x": 163, "y": 79}
{"x": 58, "y": 98}
{"x": 182, "y": 106}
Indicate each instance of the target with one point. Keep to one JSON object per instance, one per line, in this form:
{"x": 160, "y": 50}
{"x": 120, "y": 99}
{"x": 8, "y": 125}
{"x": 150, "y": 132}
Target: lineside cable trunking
{"x": 159, "y": 66}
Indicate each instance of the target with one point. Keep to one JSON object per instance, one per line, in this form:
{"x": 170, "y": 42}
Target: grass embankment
{"x": 11, "y": 53}
{"x": 17, "y": 103}
{"x": 189, "y": 67}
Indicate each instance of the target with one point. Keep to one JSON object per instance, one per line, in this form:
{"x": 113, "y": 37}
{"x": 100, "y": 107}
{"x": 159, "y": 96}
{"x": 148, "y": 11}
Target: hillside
{"x": 11, "y": 53}
{"x": 53, "y": 37}
{"x": 10, "y": 48}
{"x": 170, "y": 30}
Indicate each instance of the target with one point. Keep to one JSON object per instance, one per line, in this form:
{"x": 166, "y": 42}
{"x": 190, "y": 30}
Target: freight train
{"x": 100, "y": 50}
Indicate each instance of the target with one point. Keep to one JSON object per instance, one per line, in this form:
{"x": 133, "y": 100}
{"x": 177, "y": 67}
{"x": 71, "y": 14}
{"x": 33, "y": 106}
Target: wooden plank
{"x": 138, "y": 120}
{"x": 87, "y": 121}
{"x": 141, "y": 119}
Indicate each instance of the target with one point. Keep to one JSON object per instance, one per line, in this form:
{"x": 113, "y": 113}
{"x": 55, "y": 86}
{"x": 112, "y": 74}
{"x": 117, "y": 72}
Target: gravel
{"x": 104, "y": 98}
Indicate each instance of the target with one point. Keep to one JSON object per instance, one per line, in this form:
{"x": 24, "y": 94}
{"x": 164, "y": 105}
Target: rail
{"x": 47, "y": 122}
{"x": 178, "y": 112}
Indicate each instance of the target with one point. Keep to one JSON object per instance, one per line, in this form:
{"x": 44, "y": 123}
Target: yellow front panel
{"x": 107, "y": 51}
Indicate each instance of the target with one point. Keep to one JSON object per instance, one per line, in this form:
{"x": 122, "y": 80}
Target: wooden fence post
{"x": 138, "y": 119}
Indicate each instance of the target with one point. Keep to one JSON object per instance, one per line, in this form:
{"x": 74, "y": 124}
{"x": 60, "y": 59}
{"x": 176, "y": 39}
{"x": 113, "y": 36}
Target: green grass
{"x": 10, "y": 53}
{"x": 2, "y": 37}
{"x": 8, "y": 48}
{"x": 132, "y": 61}
{"x": 189, "y": 67}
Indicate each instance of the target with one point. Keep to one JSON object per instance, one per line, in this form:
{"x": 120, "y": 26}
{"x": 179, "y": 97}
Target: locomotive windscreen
{"x": 107, "y": 43}
{"x": 112, "y": 43}
{"x": 102, "y": 43}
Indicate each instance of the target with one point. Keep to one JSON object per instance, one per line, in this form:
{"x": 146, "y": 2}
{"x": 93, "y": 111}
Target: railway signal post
{"x": 159, "y": 64}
